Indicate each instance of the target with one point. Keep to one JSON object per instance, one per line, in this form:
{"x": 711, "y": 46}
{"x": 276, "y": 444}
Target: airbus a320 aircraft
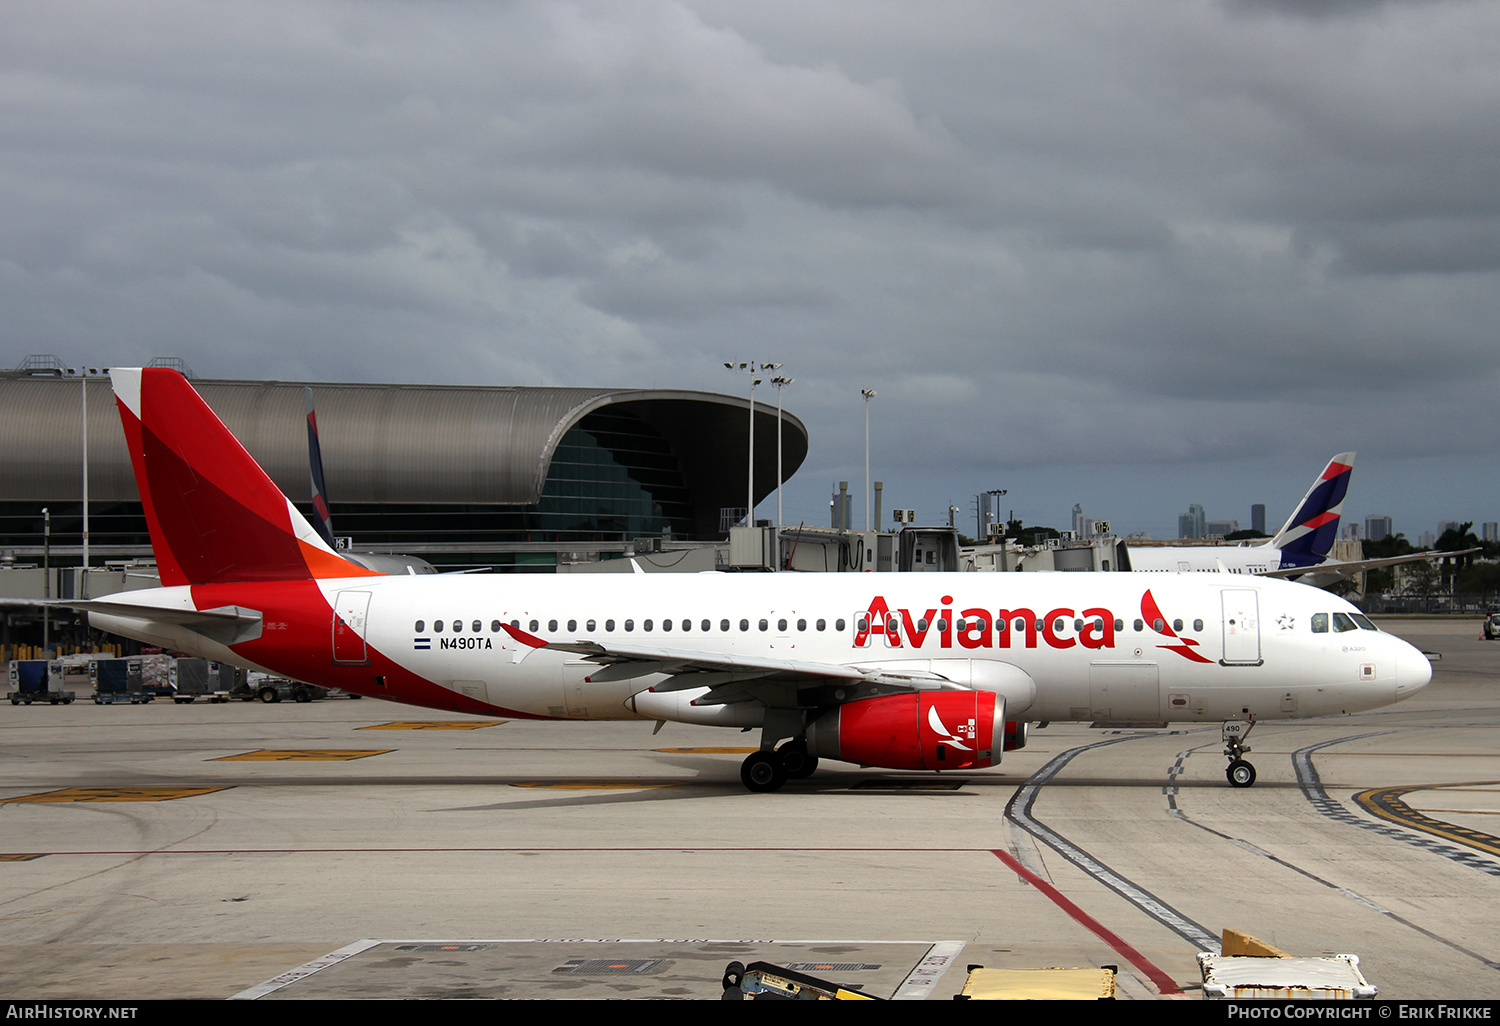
{"x": 902, "y": 671}
{"x": 1298, "y": 552}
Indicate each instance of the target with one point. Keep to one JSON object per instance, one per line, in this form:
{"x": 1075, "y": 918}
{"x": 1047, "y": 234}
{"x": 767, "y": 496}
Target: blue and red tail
{"x": 322, "y": 520}
{"x": 1308, "y": 536}
{"x": 215, "y": 516}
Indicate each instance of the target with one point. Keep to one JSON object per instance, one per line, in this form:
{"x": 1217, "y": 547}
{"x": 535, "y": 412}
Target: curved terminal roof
{"x": 429, "y": 444}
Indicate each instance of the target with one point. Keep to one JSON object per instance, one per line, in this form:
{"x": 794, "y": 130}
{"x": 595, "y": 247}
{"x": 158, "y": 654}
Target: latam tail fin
{"x": 215, "y": 516}
{"x": 322, "y": 519}
{"x": 1307, "y": 537}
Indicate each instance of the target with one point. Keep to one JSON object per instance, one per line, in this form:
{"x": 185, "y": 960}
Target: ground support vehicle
{"x": 196, "y": 678}
{"x": 30, "y": 681}
{"x": 275, "y": 689}
{"x": 1255, "y": 978}
{"x": 1051, "y": 984}
{"x": 762, "y": 981}
{"x": 116, "y": 681}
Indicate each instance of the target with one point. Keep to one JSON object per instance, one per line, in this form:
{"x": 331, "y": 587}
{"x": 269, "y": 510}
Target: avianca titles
{"x": 921, "y": 671}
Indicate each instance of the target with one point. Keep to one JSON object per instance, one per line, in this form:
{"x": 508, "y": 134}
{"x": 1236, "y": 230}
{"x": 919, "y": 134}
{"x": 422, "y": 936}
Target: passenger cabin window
{"x": 420, "y": 628}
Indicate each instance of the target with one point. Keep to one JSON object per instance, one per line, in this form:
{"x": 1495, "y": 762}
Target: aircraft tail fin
{"x": 322, "y": 519}
{"x": 214, "y": 514}
{"x": 1308, "y": 535}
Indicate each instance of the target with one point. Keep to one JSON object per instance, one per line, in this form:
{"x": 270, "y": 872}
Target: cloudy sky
{"x": 1130, "y": 255}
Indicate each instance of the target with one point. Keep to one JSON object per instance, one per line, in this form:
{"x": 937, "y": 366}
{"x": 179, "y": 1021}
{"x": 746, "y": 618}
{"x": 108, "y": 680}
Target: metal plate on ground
{"x": 685, "y": 969}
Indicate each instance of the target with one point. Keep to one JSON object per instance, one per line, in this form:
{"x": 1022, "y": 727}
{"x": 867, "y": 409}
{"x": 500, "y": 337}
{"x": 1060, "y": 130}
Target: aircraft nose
{"x": 1413, "y": 671}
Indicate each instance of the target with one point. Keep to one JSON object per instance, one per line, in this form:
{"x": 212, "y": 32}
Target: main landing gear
{"x": 1239, "y": 772}
{"x": 767, "y": 770}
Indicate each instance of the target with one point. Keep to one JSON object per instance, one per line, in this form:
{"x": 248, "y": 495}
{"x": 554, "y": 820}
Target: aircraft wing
{"x": 1335, "y": 569}
{"x": 741, "y": 678}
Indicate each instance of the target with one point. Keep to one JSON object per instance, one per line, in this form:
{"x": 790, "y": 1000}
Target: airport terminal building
{"x": 461, "y": 476}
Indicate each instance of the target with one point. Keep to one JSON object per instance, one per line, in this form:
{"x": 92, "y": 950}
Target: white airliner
{"x": 901, "y": 671}
{"x": 1299, "y": 551}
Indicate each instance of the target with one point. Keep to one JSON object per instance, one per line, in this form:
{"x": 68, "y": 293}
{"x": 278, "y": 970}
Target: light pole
{"x": 751, "y": 368}
{"x": 780, "y": 383}
{"x": 868, "y": 393}
{"x": 46, "y": 576}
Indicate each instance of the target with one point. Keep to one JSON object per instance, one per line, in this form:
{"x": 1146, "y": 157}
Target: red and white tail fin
{"x": 214, "y": 514}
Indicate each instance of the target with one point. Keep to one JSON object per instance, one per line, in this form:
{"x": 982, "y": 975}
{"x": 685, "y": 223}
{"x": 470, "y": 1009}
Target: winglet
{"x": 214, "y": 514}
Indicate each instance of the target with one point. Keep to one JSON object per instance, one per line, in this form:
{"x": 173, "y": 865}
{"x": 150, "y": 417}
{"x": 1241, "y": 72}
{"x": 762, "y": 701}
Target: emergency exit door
{"x": 350, "y": 611}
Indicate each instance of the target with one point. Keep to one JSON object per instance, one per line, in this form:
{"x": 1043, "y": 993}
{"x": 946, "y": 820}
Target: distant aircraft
{"x": 1299, "y": 551}
{"x": 935, "y": 671}
{"x": 323, "y": 520}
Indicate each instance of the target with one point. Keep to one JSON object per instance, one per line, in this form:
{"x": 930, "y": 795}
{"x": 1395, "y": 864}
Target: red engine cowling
{"x": 931, "y": 730}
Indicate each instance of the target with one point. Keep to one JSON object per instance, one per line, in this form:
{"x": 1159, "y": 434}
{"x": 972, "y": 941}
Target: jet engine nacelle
{"x": 924, "y": 730}
{"x": 1016, "y": 733}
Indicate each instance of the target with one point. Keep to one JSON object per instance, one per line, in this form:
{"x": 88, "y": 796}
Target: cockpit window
{"x": 1343, "y": 622}
{"x": 1364, "y": 621}
{"x": 1320, "y": 623}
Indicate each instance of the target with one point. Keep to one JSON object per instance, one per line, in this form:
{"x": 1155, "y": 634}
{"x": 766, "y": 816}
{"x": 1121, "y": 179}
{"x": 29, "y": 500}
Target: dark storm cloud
{"x": 1186, "y": 231}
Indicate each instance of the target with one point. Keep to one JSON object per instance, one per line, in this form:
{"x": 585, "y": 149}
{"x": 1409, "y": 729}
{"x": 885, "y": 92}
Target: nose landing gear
{"x": 1239, "y": 772}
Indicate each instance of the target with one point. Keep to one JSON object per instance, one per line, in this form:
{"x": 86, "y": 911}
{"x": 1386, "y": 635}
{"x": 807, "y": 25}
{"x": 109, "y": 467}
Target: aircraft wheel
{"x": 761, "y": 771}
{"x": 795, "y": 761}
{"x": 1240, "y": 773}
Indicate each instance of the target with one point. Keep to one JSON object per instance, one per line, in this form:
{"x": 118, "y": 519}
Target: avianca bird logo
{"x": 949, "y": 737}
{"x": 1151, "y": 613}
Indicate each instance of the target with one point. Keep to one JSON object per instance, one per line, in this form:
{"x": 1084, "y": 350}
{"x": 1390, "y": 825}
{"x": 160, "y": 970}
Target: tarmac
{"x": 362, "y": 850}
